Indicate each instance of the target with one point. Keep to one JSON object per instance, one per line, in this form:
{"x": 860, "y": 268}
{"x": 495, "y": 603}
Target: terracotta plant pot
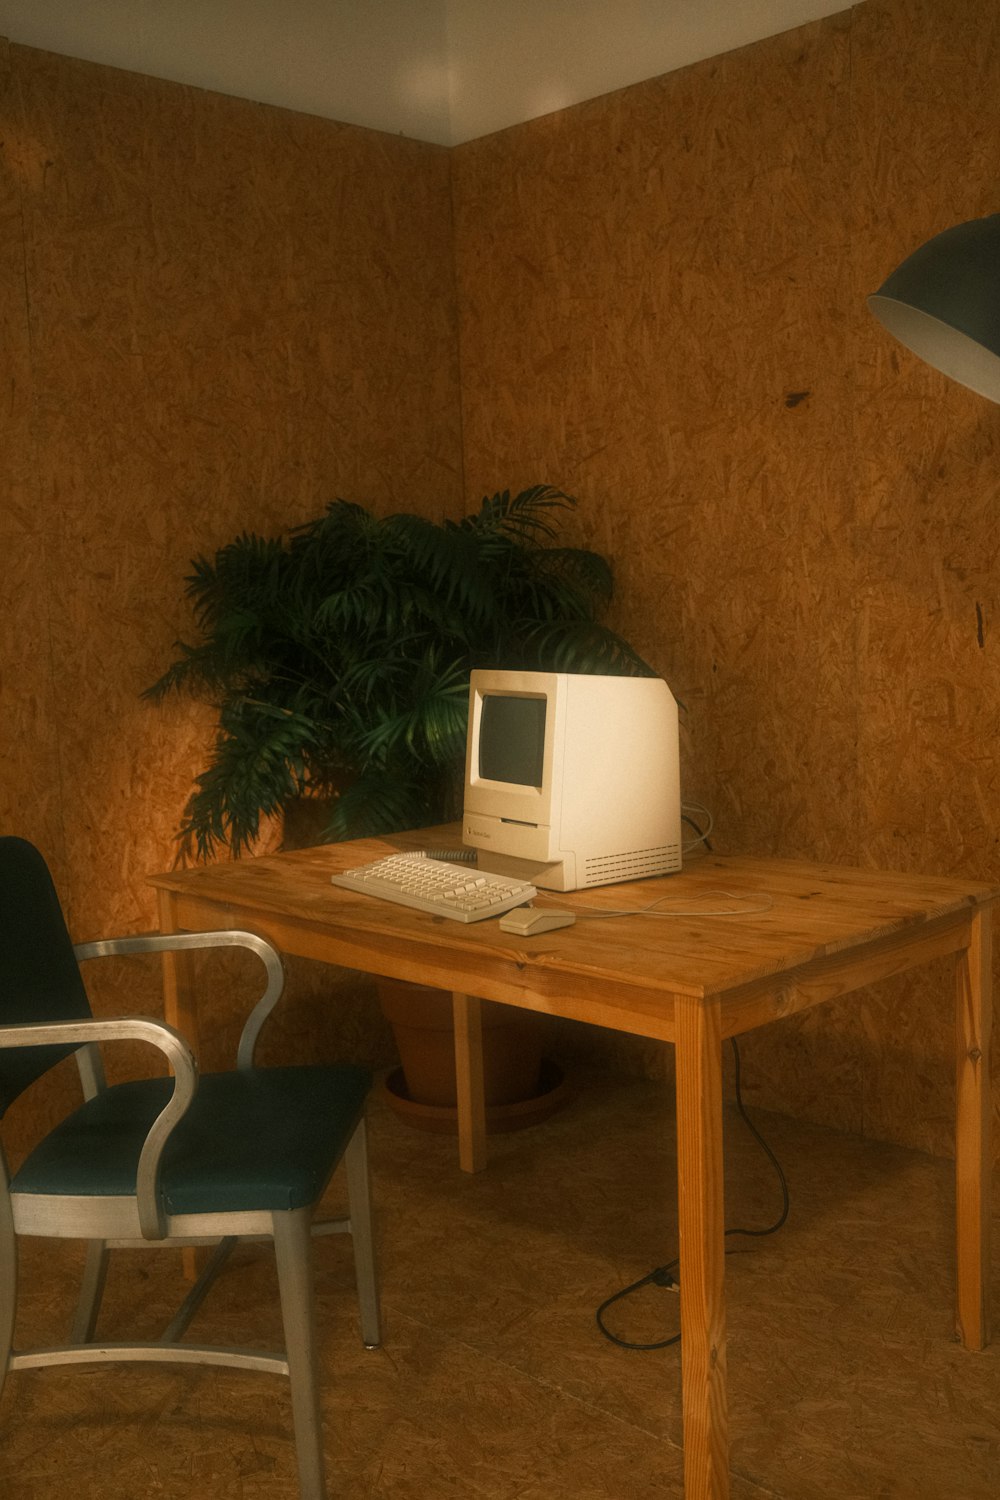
{"x": 421, "y": 1019}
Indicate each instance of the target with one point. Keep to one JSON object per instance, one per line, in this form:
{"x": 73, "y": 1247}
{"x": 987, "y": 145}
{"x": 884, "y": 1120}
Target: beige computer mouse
{"x": 527, "y": 921}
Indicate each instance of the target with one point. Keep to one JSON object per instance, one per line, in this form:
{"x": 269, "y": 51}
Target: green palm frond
{"x": 259, "y": 761}
{"x": 382, "y": 801}
{"x": 343, "y": 650}
{"x": 582, "y": 646}
{"x": 524, "y": 515}
{"x": 587, "y": 573}
{"x": 448, "y": 559}
{"x": 430, "y": 720}
{"x": 250, "y": 568}
{"x": 348, "y": 608}
{"x": 196, "y": 668}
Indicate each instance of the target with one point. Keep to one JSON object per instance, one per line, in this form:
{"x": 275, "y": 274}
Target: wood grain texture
{"x": 812, "y": 932}
{"x": 973, "y": 1120}
{"x": 847, "y": 927}
{"x": 701, "y": 1222}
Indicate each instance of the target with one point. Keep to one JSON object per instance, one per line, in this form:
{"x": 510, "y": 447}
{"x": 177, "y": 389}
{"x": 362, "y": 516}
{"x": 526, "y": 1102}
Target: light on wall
{"x": 943, "y": 302}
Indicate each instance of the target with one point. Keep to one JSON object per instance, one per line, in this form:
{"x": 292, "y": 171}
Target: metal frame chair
{"x": 168, "y": 1161}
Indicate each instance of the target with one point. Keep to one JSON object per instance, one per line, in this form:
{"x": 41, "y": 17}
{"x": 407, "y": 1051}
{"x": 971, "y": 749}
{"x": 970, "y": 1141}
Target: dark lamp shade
{"x": 943, "y": 302}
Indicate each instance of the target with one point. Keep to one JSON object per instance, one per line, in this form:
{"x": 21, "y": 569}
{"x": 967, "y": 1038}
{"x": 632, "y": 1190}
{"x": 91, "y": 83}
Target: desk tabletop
{"x": 729, "y": 925}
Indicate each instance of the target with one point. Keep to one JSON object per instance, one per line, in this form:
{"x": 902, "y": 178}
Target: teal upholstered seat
{"x": 171, "y": 1160}
{"x": 261, "y": 1138}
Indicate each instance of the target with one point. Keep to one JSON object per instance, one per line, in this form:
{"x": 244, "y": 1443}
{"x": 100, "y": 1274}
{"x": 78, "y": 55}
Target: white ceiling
{"x": 438, "y": 70}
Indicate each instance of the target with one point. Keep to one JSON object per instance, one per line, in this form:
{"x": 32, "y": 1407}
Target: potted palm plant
{"x": 338, "y": 658}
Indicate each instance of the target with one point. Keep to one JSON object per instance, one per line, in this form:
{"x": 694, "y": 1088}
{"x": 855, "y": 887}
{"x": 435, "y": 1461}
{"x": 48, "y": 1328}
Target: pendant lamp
{"x": 943, "y": 302}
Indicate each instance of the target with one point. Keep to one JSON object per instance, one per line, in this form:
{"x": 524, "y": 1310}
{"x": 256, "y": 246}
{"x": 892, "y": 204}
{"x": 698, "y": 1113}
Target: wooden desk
{"x": 693, "y": 981}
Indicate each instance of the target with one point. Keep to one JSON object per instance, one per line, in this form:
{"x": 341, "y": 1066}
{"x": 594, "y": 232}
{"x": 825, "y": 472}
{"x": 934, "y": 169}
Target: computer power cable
{"x": 696, "y": 814}
{"x": 667, "y": 1275}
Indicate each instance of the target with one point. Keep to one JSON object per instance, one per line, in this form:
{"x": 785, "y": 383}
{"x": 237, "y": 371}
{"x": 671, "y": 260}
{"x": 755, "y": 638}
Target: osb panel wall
{"x": 217, "y": 316}
{"x": 662, "y": 310}
{"x": 26, "y": 710}
{"x": 927, "y": 499}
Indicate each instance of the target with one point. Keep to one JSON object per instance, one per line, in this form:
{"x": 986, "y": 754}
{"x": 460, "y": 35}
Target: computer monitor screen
{"x": 512, "y": 739}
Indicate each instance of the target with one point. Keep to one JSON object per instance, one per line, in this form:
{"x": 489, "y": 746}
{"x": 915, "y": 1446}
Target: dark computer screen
{"x": 512, "y": 739}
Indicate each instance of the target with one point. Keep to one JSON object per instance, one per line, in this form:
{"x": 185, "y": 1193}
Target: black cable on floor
{"x": 666, "y": 1276}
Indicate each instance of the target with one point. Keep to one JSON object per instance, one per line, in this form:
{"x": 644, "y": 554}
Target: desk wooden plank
{"x": 179, "y": 1008}
{"x": 618, "y": 972}
{"x": 973, "y": 1153}
{"x": 829, "y": 976}
{"x": 702, "y": 1248}
{"x": 796, "y": 934}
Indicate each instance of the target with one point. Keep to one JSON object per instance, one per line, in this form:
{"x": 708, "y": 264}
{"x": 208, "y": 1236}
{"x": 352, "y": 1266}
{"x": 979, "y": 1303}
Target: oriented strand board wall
{"x": 216, "y": 316}
{"x": 927, "y": 502}
{"x": 662, "y": 310}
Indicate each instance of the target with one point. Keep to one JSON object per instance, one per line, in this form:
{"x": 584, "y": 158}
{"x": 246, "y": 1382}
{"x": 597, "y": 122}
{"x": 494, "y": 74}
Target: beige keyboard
{"x": 447, "y": 890}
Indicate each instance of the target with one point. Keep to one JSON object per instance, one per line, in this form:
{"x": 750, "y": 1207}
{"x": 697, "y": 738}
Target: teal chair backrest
{"x": 39, "y": 975}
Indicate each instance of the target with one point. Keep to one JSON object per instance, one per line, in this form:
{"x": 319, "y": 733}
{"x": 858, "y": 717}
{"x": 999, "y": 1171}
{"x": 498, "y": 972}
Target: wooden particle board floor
{"x": 494, "y": 1383}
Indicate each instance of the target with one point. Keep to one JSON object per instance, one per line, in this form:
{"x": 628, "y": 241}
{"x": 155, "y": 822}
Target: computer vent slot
{"x": 632, "y": 864}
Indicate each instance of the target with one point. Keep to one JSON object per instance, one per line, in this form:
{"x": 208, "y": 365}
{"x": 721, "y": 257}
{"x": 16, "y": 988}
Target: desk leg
{"x": 973, "y": 1155}
{"x": 702, "y": 1246}
{"x": 468, "y": 1014}
{"x": 179, "y": 1009}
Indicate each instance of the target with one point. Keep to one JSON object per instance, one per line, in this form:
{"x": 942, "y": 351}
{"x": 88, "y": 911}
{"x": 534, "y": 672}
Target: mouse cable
{"x": 666, "y": 1276}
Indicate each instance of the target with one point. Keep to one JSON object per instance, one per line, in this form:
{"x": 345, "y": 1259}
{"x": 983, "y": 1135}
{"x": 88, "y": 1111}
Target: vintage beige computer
{"x": 571, "y": 779}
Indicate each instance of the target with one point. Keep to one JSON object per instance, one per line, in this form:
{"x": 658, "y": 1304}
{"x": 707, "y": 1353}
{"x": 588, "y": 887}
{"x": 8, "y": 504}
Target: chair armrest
{"x": 178, "y": 942}
{"x": 182, "y": 1064}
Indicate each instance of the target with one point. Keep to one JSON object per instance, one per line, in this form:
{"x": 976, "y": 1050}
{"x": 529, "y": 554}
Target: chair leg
{"x": 88, "y": 1306}
{"x": 8, "y": 1277}
{"x": 359, "y": 1200}
{"x": 293, "y": 1253}
{"x": 178, "y": 1324}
